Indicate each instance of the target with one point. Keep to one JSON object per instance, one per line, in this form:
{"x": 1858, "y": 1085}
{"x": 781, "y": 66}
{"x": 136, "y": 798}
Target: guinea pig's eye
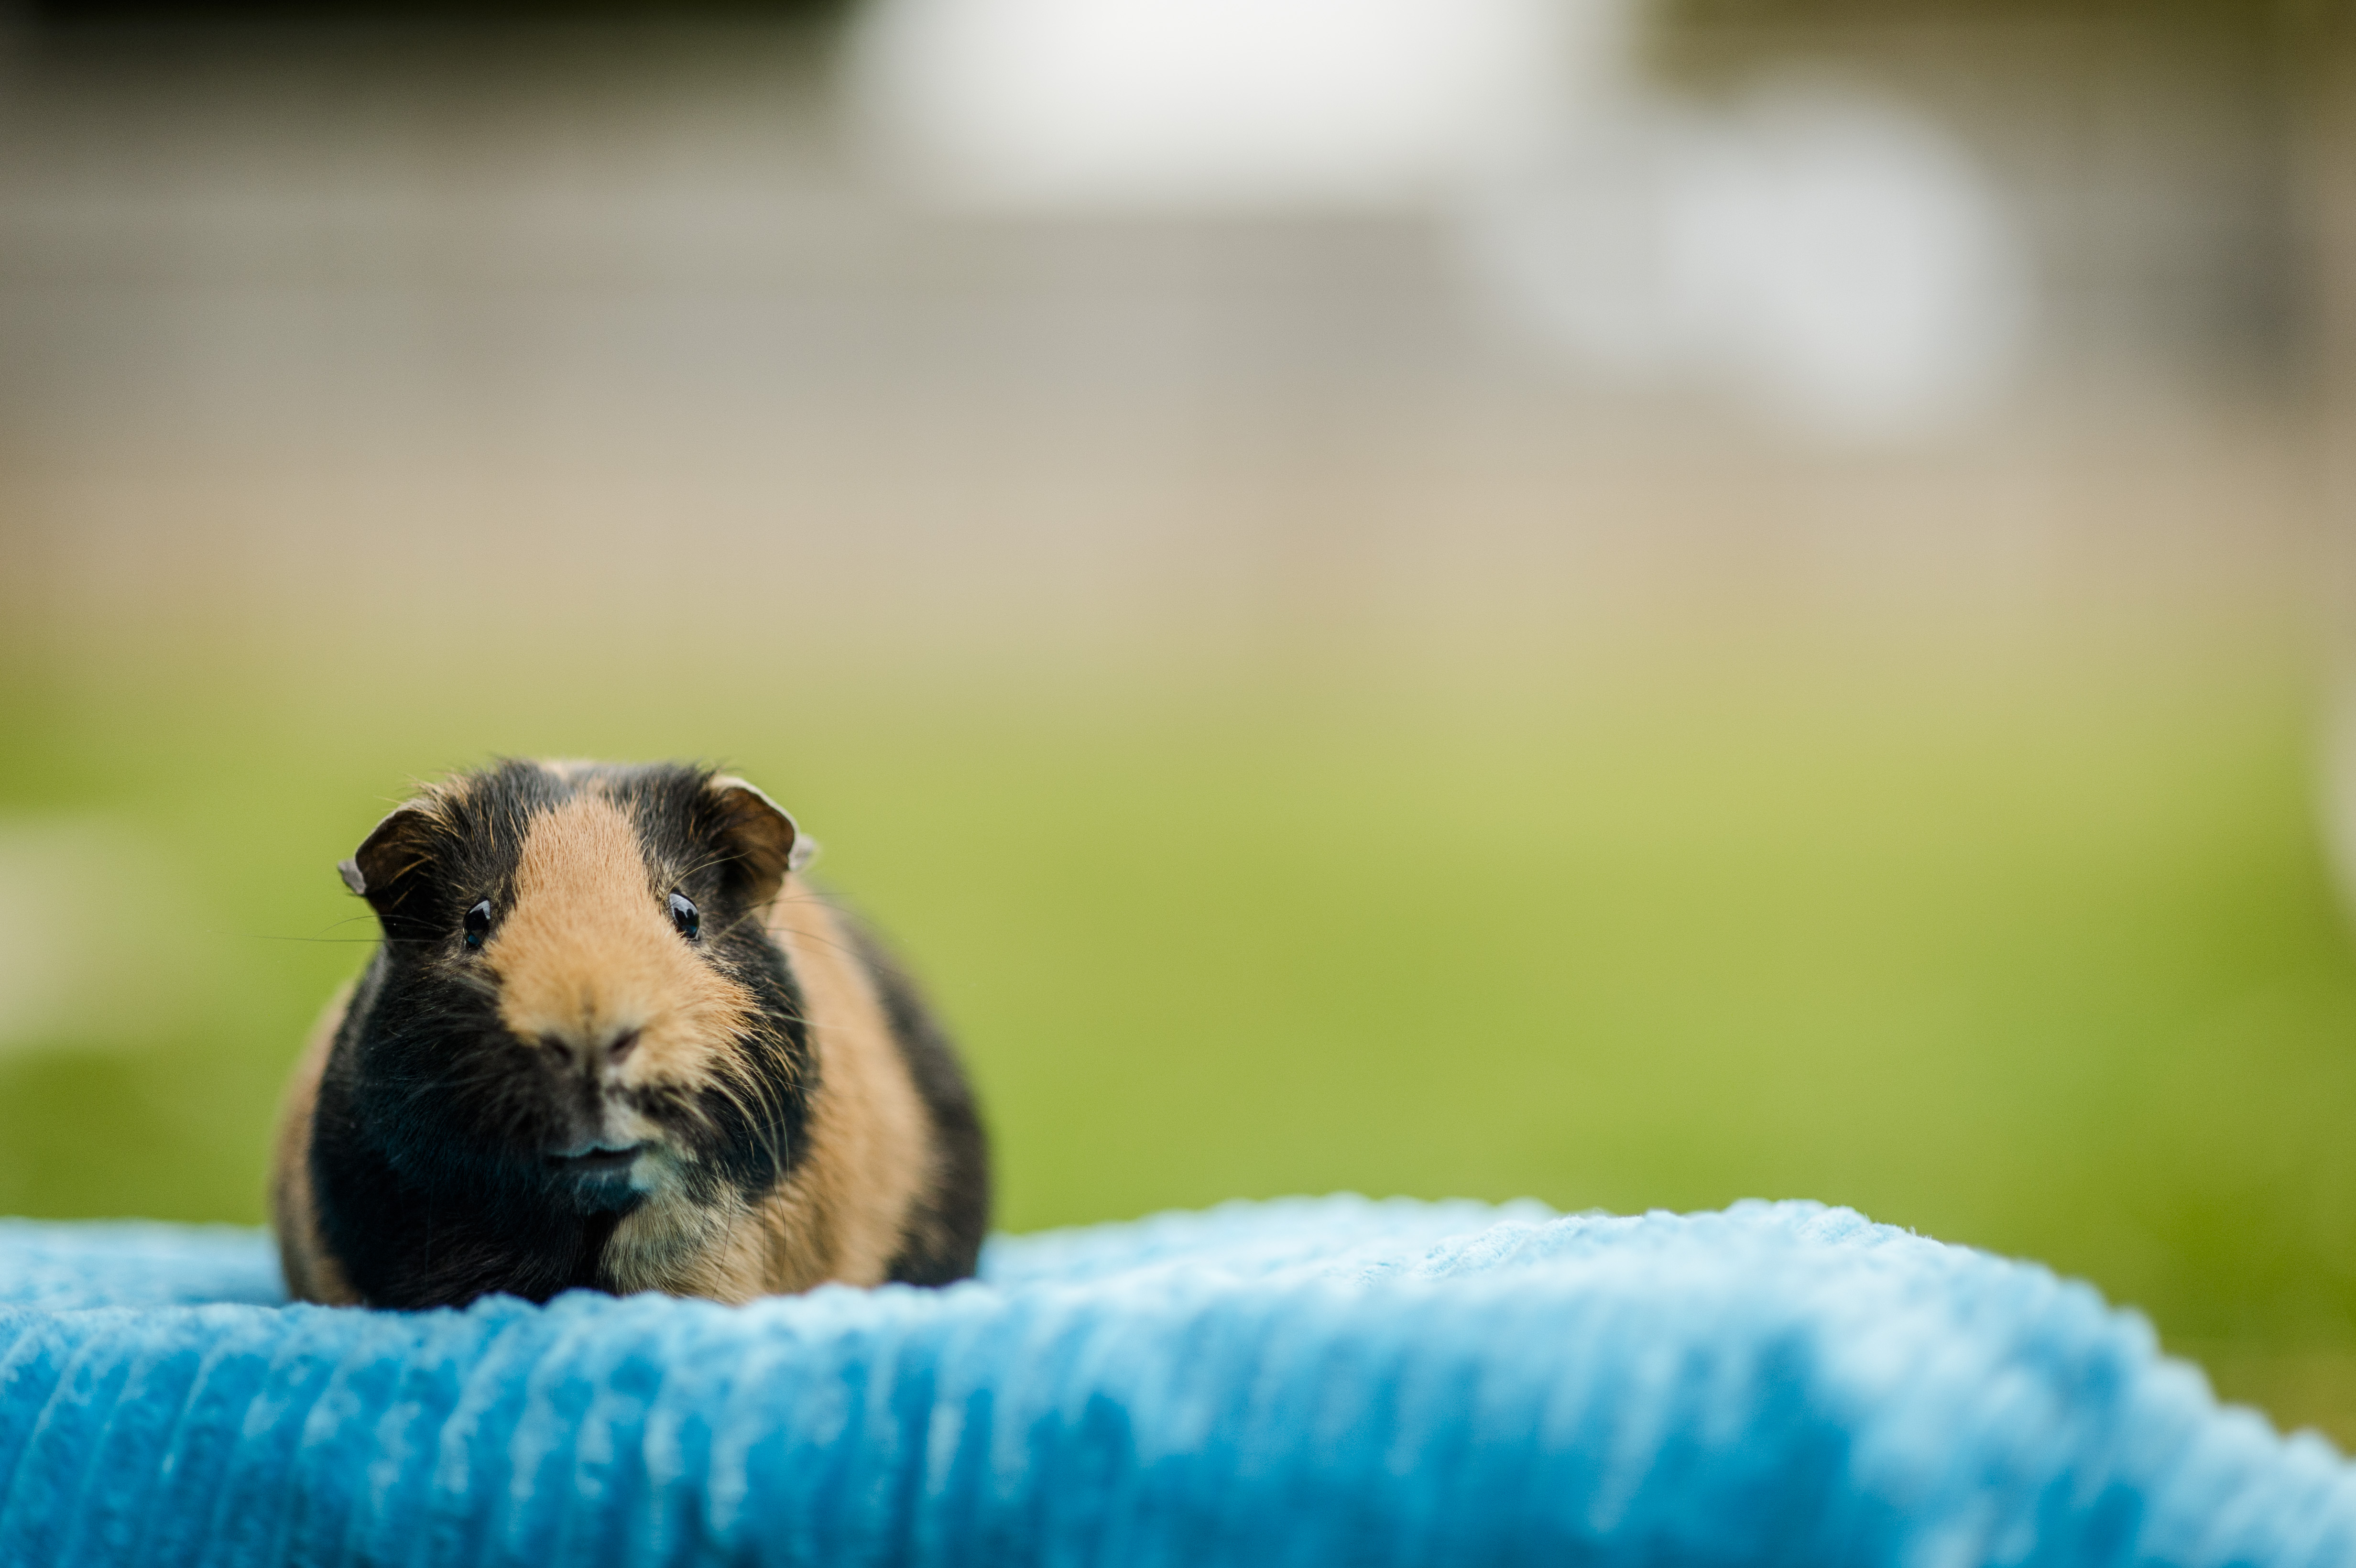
{"x": 683, "y": 917}
{"x": 478, "y": 924}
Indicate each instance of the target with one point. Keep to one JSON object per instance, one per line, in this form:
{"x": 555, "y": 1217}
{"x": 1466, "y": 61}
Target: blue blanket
{"x": 1329, "y": 1382}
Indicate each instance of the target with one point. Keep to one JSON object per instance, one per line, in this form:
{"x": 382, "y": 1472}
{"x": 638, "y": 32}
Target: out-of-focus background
{"x": 1642, "y": 601}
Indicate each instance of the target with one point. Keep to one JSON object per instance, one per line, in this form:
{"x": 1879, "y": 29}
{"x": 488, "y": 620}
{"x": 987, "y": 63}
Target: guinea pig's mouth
{"x": 598, "y": 1160}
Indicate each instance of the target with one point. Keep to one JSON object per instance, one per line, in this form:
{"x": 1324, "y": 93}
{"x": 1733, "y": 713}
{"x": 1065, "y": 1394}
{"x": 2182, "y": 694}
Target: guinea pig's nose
{"x": 587, "y": 1054}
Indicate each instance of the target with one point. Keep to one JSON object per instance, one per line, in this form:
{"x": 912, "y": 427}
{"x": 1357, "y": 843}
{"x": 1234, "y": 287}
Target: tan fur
{"x": 586, "y": 954}
{"x": 868, "y": 1160}
{"x": 311, "y": 1273}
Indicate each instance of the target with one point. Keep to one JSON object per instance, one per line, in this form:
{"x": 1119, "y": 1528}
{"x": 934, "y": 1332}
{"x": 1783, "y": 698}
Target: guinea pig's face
{"x": 577, "y": 1002}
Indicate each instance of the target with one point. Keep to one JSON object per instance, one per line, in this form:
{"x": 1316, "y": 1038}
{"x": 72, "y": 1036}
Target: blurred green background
{"x": 2035, "y": 951}
{"x": 1304, "y": 745}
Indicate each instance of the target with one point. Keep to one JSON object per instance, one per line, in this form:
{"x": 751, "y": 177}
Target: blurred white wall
{"x": 1828, "y": 253}
{"x": 1210, "y": 105}
{"x": 1836, "y": 260}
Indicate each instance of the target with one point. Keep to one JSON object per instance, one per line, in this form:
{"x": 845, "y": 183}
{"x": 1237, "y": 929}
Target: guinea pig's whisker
{"x": 848, "y": 949}
{"x": 415, "y": 1091}
{"x": 763, "y": 1123}
{"x": 704, "y": 864}
{"x": 481, "y": 984}
{"x": 321, "y": 936}
{"x": 773, "y": 1120}
{"x": 335, "y": 940}
{"x": 755, "y": 1105}
{"x": 736, "y": 925}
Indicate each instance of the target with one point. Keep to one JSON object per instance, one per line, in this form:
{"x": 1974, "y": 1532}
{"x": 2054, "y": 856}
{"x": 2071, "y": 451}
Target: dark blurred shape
{"x": 69, "y": 13}
{"x": 2280, "y": 18}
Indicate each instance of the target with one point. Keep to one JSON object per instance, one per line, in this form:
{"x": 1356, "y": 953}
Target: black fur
{"x": 429, "y": 1154}
{"x": 943, "y": 1240}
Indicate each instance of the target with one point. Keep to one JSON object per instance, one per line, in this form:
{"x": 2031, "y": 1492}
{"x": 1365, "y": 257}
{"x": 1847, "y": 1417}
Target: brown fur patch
{"x": 868, "y": 1161}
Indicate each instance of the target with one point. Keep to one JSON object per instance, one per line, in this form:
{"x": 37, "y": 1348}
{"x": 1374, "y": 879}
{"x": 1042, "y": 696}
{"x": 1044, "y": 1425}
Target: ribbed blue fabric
{"x": 1328, "y": 1381}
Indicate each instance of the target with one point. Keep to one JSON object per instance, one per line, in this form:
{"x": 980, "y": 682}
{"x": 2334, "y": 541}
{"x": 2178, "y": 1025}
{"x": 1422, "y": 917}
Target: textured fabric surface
{"x": 1329, "y": 1382}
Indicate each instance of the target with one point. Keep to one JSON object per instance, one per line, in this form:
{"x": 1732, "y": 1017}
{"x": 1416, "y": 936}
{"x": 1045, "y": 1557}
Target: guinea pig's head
{"x": 577, "y": 1004}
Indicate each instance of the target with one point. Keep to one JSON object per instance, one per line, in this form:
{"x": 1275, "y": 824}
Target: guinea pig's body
{"x": 611, "y": 1040}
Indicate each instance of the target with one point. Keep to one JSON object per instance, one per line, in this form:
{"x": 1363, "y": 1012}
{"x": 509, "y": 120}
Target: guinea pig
{"x": 611, "y": 1039}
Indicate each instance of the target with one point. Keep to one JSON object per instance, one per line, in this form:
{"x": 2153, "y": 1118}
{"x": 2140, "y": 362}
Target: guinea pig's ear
{"x": 766, "y": 842}
{"x": 380, "y": 869}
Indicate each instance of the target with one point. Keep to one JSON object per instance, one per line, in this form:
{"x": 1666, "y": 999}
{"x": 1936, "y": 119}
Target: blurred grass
{"x": 2035, "y": 951}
